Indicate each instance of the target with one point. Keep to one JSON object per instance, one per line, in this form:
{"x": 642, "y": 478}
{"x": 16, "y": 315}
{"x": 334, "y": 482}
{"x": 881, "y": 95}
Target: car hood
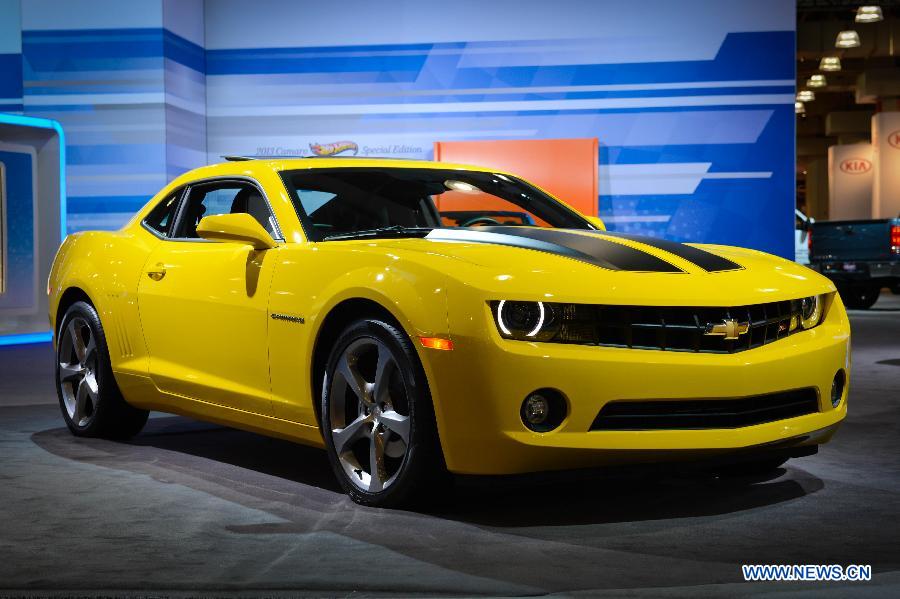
{"x": 595, "y": 266}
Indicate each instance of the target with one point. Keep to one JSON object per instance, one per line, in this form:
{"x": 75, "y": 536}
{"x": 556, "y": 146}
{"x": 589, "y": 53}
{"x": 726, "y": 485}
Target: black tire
{"x": 89, "y": 397}
{"x": 753, "y": 467}
{"x": 860, "y": 297}
{"x": 420, "y": 474}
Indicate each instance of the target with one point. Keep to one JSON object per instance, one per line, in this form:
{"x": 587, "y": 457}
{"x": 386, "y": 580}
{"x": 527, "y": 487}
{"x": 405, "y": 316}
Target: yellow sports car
{"x": 419, "y": 319}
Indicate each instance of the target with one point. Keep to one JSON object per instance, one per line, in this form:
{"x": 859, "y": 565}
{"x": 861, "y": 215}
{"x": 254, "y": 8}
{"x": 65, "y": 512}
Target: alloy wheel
{"x": 77, "y": 373}
{"x": 369, "y": 414}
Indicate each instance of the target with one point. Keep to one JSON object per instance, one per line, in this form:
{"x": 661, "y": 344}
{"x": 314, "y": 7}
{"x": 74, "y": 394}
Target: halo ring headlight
{"x": 811, "y": 311}
{"x": 524, "y": 320}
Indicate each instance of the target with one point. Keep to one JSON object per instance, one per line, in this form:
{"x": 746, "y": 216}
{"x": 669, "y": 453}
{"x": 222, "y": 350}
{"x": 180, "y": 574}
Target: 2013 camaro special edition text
{"x": 420, "y": 319}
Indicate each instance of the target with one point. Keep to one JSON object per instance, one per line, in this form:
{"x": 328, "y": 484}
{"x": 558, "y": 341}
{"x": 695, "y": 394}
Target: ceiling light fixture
{"x": 805, "y": 96}
{"x": 869, "y": 14}
{"x": 799, "y": 108}
{"x": 817, "y": 80}
{"x": 830, "y": 63}
{"x": 847, "y": 39}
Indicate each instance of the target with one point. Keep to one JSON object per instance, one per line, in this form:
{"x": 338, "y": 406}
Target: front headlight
{"x": 529, "y": 321}
{"x": 811, "y": 310}
{"x": 543, "y": 321}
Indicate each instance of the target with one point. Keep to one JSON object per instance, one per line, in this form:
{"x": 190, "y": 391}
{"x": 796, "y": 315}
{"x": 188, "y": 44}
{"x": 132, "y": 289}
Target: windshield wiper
{"x": 391, "y": 231}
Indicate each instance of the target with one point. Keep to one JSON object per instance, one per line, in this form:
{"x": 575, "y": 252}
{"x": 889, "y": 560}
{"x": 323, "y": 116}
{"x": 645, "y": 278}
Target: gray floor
{"x": 188, "y": 506}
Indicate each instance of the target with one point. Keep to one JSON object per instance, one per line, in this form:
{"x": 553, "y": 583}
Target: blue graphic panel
{"x": 691, "y": 101}
{"x": 20, "y": 274}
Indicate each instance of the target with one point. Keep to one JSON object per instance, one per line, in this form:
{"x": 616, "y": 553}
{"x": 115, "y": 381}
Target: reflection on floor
{"x": 188, "y": 505}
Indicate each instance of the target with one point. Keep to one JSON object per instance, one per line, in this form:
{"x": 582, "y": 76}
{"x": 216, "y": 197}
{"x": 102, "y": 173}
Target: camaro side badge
{"x": 288, "y": 317}
{"x": 729, "y": 329}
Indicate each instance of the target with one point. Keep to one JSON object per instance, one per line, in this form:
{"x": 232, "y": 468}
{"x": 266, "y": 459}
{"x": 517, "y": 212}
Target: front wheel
{"x": 377, "y": 418}
{"x": 89, "y": 397}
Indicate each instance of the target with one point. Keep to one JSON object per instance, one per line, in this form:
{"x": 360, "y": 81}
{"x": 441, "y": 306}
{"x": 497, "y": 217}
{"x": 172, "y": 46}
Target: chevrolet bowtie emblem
{"x": 729, "y": 329}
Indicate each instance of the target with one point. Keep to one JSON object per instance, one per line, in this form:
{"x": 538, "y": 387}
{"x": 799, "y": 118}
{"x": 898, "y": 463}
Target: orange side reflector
{"x": 436, "y": 343}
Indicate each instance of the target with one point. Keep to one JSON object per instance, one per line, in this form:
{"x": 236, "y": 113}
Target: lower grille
{"x": 693, "y": 414}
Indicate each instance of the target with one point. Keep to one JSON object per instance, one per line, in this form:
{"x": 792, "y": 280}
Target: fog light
{"x": 837, "y": 388}
{"x": 543, "y": 410}
{"x": 537, "y": 408}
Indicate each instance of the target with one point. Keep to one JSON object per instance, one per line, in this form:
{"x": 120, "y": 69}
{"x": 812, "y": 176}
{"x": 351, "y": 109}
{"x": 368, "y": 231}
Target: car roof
{"x": 249, "y": 165}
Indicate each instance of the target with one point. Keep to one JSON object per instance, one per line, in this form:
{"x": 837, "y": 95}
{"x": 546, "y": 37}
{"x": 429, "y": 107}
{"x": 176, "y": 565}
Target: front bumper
{"x": 478, "y": 389}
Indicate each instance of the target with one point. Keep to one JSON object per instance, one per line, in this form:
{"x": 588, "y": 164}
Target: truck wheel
{"x": 89, "y": 397}
{"x": 860, "y": 297}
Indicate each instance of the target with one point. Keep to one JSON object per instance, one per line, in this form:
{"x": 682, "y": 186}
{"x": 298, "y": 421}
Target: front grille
{"x": 675, "y": 414}
{"x": 677, "y": 328}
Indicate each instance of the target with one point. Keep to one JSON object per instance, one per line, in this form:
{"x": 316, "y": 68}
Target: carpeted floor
{"x": 188, "y": 506}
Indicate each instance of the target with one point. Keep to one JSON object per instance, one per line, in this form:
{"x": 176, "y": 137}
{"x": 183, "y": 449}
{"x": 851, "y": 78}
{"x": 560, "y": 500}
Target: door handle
{"x": 158, "y": 273}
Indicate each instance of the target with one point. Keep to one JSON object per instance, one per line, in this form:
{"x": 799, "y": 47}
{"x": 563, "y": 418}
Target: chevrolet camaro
{"x": 419, "y": 319}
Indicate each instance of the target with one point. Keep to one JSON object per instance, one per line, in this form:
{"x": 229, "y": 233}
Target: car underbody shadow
{"x": 206, "y": 456}
{"x": 295, "y": 486}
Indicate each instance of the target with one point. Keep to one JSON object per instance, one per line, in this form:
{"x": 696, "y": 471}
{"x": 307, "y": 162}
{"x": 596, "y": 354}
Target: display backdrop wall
{"x": 692, "y": 101}
{"x": 886, "y": 152}
{"x": 850, "y": 171}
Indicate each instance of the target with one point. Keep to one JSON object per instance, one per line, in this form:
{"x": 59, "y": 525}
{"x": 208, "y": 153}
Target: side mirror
{"x": 597, "y": 222}
{"x": 235, "y": 228}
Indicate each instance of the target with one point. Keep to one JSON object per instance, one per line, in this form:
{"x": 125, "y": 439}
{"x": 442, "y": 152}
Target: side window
{"x": 161, "y": 217}
{"x": 228, "y": 197}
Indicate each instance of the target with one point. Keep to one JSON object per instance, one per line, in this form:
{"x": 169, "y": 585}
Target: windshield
{"x": 348, "y": 202}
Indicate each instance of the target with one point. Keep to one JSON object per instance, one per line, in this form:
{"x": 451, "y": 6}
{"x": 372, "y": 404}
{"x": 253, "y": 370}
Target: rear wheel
{"x": 860, "y": 297}
{"x": 89, "y": 398}
{"x": 377, "y": 418}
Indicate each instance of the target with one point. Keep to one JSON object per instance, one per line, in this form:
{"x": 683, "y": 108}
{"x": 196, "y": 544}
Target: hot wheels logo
{"x": 334, "y": 148}
{"x": 856, "y": 166}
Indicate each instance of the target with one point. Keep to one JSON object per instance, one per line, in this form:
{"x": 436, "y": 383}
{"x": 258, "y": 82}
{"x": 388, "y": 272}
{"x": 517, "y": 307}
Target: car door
{"x": 203, "y": 304}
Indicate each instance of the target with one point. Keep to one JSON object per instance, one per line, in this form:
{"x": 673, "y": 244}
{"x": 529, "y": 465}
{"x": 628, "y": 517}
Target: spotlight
{"x": 847, "y": 39}
{"x": 830, "y": 63}
{"x": 817, "y": 80}
{"x": 869, "y": 14}
{"x": 805, "y": 96}
{"x": 799, "y": 108}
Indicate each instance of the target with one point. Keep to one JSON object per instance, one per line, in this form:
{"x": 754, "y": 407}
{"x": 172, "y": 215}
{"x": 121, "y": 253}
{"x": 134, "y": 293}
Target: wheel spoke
{"x": 90, "y": 349}
{"x": 92, "y": 389}
{"x": 383, "y": 372}
{"x": 77, "y": 341}
{"x": 81, "y": 399}
{"x": 70, "y": 372}
{"x": 344, "y": 437}
{"x": 396, "y": 423}
{"x": 377, "y": 473}
{"x": 353, "y": 378}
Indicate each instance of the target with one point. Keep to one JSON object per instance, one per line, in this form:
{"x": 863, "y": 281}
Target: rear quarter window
{"x": 162, "y": 216}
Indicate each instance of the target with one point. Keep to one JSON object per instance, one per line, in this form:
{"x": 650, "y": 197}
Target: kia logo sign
{"x": 894, "y": 139}
{"x": 856, "y": 166}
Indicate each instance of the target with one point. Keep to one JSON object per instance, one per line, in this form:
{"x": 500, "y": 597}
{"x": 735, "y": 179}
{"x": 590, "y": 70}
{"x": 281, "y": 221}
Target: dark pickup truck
{"x": 861, "y": 256}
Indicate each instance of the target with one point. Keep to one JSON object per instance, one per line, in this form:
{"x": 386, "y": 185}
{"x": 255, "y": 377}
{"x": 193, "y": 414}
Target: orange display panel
{"x": 567, "y": 168}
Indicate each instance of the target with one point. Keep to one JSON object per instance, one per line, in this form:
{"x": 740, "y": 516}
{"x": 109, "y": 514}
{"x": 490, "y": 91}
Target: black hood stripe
{"x": 705, "y": 260}
{"x": 592, "y": 249}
